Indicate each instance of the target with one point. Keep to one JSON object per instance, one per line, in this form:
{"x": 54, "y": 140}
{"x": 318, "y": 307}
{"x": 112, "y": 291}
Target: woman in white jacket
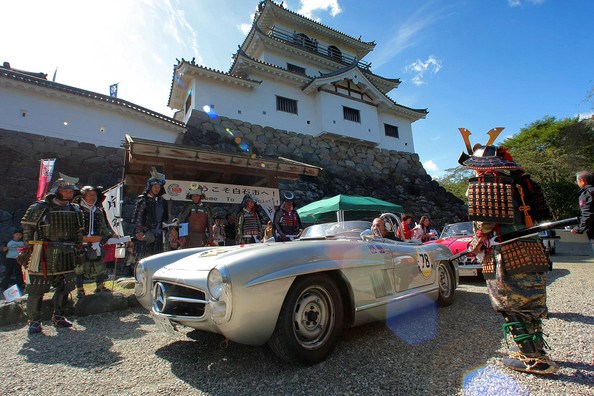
{"x": 422, "y": 232}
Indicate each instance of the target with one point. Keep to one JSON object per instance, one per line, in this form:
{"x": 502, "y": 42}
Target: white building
{"x": 30, "y": 103}
{"x": 295, "y": 74}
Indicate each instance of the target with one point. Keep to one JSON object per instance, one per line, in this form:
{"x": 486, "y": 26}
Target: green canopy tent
{"x": 345, "y": 207}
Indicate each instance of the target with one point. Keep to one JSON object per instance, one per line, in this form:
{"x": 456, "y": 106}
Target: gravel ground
{"x": 450, "y": 351}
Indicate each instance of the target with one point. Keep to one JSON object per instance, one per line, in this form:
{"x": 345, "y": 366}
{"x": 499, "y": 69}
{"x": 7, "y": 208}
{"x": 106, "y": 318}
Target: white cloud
{"x": 430, "y": 166}
{"x": 406, "y": 36}
{"x": 517, "y": 3}
{"x": 584, "y": 116}
{"x": 245, "y": 28}
{"x": 420, "y": 68}
{"x": 309, "y": 6}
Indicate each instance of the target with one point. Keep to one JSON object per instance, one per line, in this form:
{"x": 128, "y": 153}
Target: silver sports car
{"x": 296, "y": 296}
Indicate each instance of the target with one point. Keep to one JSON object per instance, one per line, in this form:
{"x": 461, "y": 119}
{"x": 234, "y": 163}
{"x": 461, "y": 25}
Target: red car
{"x": 456, "y": 237}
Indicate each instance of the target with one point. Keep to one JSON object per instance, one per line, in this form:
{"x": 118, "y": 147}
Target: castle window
{"x": 391, "y": 130}
{"x": 295, "y": 69}
{"x": 351, "y": 114}
{"x": 286, "y": 104}
{"x": 302, "y": 40}
{"x": 188, "y": 103}
{"x": 335, "y": 53}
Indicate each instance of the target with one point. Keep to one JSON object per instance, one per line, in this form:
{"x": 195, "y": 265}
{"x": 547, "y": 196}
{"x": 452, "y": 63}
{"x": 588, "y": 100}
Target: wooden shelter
{"x": 180, "y": 162}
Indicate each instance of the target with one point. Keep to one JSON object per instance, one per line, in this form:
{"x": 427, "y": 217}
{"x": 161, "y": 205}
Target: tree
{"x": 455, "y": 181}
{"x": 552, "y": 151}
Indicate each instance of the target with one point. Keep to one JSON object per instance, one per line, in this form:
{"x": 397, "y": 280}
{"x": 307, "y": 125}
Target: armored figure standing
{"x": 149, "y": 214}
{"x": 96, "y": 229}
{"x": 52, "y": 231}
{"x": 287, "y": 224}
{"x": 502, "y": 199}
{"x": 249, "y": 226}
{"x": 199, "y": 219}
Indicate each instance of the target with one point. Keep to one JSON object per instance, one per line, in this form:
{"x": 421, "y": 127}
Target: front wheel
{"x": 446, "y": 283}
{"x": 310, "y": 321}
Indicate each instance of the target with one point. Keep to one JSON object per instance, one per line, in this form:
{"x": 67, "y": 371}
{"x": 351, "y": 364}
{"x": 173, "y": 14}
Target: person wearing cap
{"x": 150, "y": 211}
{"x": 249, "y": 226}
{"x": 199, "y": 219}
{"x": 585, "y": 181}
{"x": 52, "y": 231}
{"x": 96, "y": 229}
{"x": 515, "y": 271}
{"x": 287, "y": 224}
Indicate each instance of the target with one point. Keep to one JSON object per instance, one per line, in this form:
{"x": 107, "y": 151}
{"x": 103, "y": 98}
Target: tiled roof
{"x": 272, "y": 3}
{"x": 41, "y": 82}
{"x": 208, "y": 69}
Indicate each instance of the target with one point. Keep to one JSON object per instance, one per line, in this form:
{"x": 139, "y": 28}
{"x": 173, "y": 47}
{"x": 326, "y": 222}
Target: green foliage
{"x": 455, "y": 181}
{"x": 552, "y": 151}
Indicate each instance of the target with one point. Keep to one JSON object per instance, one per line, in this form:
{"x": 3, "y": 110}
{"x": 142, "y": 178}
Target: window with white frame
{"x": 286, "y": 105}
{"x": 351, "y": 114}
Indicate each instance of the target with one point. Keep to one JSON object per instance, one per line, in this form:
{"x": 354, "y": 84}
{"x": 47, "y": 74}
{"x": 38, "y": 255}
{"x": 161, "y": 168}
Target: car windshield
{"x": 344, "y": 229}
{"x": 456, "y": 229}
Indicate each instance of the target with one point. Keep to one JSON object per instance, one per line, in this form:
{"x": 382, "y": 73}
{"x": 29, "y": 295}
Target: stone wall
{"x": 19, "y": 165}
{"x": 348, "y": 168}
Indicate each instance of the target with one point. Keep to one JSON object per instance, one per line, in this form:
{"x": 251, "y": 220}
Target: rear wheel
{"x": 310, "y": 321}
{"x": 446, "y": 283}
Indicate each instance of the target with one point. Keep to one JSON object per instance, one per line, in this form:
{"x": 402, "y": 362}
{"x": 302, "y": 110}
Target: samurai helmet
{"x": 156, "y": 178}
{"x": 63, "y": 183}
{"x": 195, "y": 189}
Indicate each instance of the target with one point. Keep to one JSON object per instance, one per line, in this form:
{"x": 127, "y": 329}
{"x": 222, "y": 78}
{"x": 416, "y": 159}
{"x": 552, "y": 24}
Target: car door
{"x": 413, "y": 266}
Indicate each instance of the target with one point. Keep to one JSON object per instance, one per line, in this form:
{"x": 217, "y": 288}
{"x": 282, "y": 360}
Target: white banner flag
{"x": 113, "y": 208}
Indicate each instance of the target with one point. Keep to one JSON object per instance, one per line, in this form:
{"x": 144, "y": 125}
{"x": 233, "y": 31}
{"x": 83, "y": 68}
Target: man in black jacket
{"x": 585, "y": 180}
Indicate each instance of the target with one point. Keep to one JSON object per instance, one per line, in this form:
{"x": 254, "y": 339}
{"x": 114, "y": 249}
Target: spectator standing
{"x": 404, "y": 232}
{"x": 149, "y": 214}
{"x": 249, "y": 226}
{"x": 54, "y": 226}
{"x": 96, "y": 229}
{"x": 230, "y": 230}
{"x": 585, "y": 180}
{"x": 218, "y": 231}
{"x": 422, "y": 232}
{"x": 12, "y": 268}
{"x": 199, "y": 219}
{"x": 287, "y": 224}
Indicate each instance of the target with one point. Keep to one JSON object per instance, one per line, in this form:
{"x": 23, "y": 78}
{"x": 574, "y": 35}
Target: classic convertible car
{"x": 295, "y": 296}
{"x": 456, "y": 237}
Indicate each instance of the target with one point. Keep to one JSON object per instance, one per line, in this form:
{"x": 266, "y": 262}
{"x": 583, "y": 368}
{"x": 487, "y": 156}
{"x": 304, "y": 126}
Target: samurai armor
{"x": 517, "y": 257}
{"x": 535, "y": 199}
{"x": 490, "y": 198}
{"x": 61, "y": 226}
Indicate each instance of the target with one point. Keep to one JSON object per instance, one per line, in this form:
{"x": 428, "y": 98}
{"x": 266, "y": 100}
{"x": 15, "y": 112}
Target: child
{"x": 130, "y": 259}
{"x": 13, "y": 269}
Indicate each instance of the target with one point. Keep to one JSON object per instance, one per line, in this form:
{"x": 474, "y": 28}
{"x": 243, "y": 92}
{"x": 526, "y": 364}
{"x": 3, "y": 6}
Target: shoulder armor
{"x": 34, "y": 213}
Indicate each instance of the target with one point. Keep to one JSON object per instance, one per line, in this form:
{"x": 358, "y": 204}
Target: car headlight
{"x": 215, "y": 283}
{"x": 140, "y": 277}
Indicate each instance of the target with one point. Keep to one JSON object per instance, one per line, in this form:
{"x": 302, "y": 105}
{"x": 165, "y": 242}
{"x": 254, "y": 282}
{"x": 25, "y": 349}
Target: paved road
{"x": 451, "y": 351}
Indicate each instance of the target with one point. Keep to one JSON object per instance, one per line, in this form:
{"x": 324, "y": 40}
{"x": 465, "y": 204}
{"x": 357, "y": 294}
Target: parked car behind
{"x": 456, "y": 237}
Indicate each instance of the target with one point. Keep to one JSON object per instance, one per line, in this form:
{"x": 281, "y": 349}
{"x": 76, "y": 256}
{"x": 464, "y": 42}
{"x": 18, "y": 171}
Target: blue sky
{"x": 476, "y": 64}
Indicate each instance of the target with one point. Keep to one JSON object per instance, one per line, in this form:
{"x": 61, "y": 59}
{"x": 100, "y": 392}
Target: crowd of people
{"x": 63, "y": 242}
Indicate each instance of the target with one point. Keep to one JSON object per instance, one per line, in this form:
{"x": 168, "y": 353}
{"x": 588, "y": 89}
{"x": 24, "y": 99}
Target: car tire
{"x": 446, "y": 284}
{"x": 310, "y": 321}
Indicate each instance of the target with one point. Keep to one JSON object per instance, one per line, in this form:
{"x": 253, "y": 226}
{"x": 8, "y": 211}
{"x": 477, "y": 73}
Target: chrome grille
{"x": 178, "y": 300}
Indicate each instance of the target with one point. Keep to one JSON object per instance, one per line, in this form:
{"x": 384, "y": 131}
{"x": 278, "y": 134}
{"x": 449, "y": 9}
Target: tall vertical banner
{"x": 46, "y": 169}
{"x": 113, "y": 208}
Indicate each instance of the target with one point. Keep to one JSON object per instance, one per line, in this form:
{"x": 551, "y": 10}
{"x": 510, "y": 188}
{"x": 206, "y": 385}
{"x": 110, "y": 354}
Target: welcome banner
{"x": 267, "y": 198}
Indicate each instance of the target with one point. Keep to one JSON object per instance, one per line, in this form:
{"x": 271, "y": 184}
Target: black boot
{"x": 530, "y": 358}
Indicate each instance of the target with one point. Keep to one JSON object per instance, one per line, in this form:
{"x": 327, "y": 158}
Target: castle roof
{"x": 12, "y": 77}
